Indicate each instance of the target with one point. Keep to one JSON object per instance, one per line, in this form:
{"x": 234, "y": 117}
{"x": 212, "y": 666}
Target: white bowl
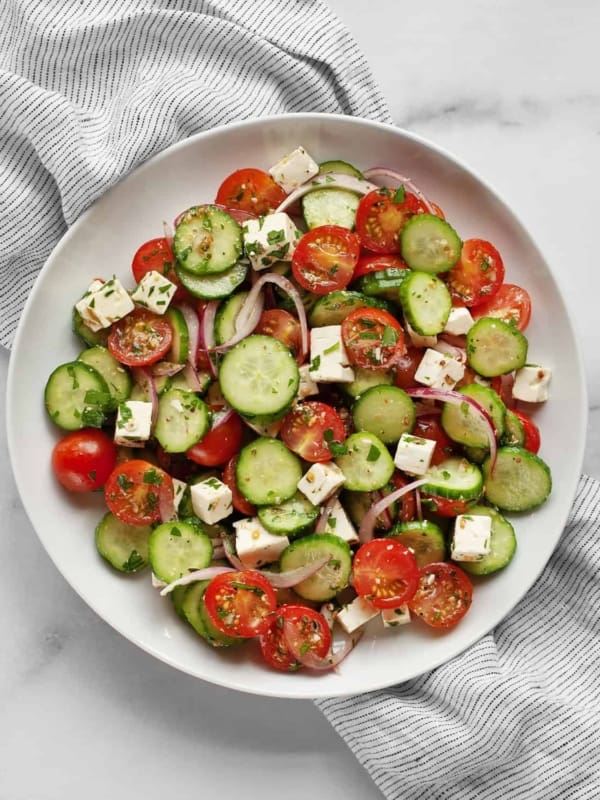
{"x": 103, "y": 240}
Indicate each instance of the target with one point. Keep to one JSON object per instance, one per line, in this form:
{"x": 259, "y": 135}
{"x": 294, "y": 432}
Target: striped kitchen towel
{"x": 91, "y": 88}
{"x": 517, "y": 716}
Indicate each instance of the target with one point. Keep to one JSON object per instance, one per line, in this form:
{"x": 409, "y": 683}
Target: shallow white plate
{"x": 103, "y": 241}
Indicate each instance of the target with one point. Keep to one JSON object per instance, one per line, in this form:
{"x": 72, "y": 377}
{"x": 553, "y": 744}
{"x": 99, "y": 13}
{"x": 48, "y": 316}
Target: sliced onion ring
{"x": 296, "y": 645}
{"x": 205, "y": 574}
{"x": 332, "y": 180}
{"x": 145, "y": 380}
{"x": 385, "y": 172}
{"x": 418, "y": 505}
{"x": 230, "y": 554}
{"x": 193, "y": 325}
{"x": 457, "y": 399}
{"x": 285, "y": 580}
{"x": 207, "y": 333}
{"x": 166, "y": 507}
{"x": 326, "y": 511}
{"x": 367, "y": 526}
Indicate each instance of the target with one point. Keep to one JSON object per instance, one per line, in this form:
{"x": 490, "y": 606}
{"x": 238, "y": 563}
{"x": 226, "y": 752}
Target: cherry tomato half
{"x": 140, "y": 338}
{"x": 405, "y": 367}
{"x": 250, "y": 190}
{"x": 312, "y": 429}
{"x": 136, "y": 490}
{"x": 377, "y": 263}
{"x": 314, "y": 636}
{"x": 478, "y": 274}
{"x": 239, "y": 501}
{"x": 280, "y": 324}
{"x": 381, "y": 215}
{"x": 324, "y": 259}
{"x": 385, "y": 572}
{"x": 511, "y": 303}
{"x": 532, "y": 432}
{"x": 220, "y": 443}
{"x": 373, "y": 338}
{"x": 428, "y": 426}
{"x": 240, "y": 603}
{"x": 83, "y": 460}
{"x": 444, "y": 507}
{"x": 157, "y": 255}
{"x": 444, "y": 595}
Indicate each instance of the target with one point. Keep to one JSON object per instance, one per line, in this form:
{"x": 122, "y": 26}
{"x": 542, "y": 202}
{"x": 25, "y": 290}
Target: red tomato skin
{"x": 444, "y": 507}
{"x": 478, "y": 274}
{"x": 405, "y": 367}
{"x": 443, "y": 601}
{"x": 157, "y": 254}
{"x": 325, "y": 258}
{"x": 532, "y": 432}
{"x": 135, "y": 490}
{"x": 510, "y": 302}
{"x": 372, "y": 353}
{"x": 250, "y": 190}
{"x": 219, "y": 444}
{"x": 280, "y": 324}
{"x": 428, "y": 426}
{"x": 304, "y": 427}
{"x": 141, "y": 338}
{"x": 379, "y": 220}
{"x": 83, "y": 460}
{"x": 388, "y": 567}
{"x": 376, "y": 263}
{"x": 272, "y": 643}
{"x": 239, "y": 501}
{"x": 239, "y": 611}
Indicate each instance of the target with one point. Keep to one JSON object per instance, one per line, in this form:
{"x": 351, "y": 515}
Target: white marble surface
{"x": 513, "y": 90}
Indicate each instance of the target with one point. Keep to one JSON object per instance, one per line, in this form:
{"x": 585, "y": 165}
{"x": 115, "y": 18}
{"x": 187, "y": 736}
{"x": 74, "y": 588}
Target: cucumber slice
{"x": 259, "y": 377}
{"x": 226, "y": 316}
{"x": 180, "y": 349}
{"x": 117, "y": 378}
{"x": 207, "y": 240}
{"x": 176, "y": 596}
{"x": 330, "y": 207}
{"x": 181, "y": 381}
{"x": 367, "y": 465}
{"x": 520, "y": 481}
{"x": 386, "y": 411}
{"x": 426, "y": 302}
{"x": 384, "y": 283}
{"x": 125, "y": 547}
{"x": 424, "y": 538}
{"x": 267, "y": 473}
{"x": 182, "y": 420}
{"x": 343, "y": 167}
{"x": 333, "y": 308}
{"x": 464, "y": 425}
{"x": 495, "y": 347}
{"x": 76, "y": 396}
{"x": 365, "y": 379}
{"x": 455, "y": 479}
{"x": 213, "y": 287}
{"x": 87, "y": 335}
{"x": 176, "y": 548}
{"x": 503, "y": 543}
{"x": 514, "y": 432}
{"x": 193, "y": 609}
{"x": 290, "y": 517}
{"x": 429, "y": 243}
{"x": 330, "y": 578}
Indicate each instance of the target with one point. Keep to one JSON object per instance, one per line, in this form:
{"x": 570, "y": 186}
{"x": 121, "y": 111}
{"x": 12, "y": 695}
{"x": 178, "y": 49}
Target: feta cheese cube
{"x": 102, "y": 305}
{"x": 459, "y": 322}
{"x": 154, "y": 291}
{"x": 328, "y": 357}
{"x": 321, "y": 481}
{"x": 439, "y": 371}
{"x": 413, "y": 454}
{"x": 394, "y": 617}
{"x": 134, "y": 423}
{"x": 256, "y": 545}
{"x": 307, "y": 385}
{"x": 472, "y": 537}
{"x": 338, "y": 523}
{"x": 212, "y": 500}
{"x": 356, "y": 614}
{"x": 269, "y": 239}
{"x": 531, "y": 383}
{"x": 417, "y": 339}
{"x": 294, "y": 169}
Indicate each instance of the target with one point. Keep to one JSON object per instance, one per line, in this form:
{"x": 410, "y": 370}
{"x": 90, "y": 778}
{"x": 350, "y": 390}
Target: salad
{"x": 308, "y": 411}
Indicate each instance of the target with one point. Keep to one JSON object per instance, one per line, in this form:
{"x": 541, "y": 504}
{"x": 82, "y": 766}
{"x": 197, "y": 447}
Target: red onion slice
{"x": 207, "y": 333}
{"x": 385, "y": 172}
{"x": 166, "y": 507}
{"x": 326, "y": 512}
{"x": 285, "y": 580}
{"x": 230, "y": 554}
{"x": 457, "y": 399}
{"x": 367, "y": 526}
{"x": 205, "y": 574}
{"x": 418, "y": 505}
{"x": 168, "y": 233}
{"x": 447, "y": 349}
{"x": 145, "y": 381}
{"x": 332, "y": 180}
{"x": 193, "y": 325}
{"x": 296, "y": 644}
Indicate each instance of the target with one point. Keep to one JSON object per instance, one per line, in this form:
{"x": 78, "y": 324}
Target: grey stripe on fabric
{"x": 517, "y": 715}
{"x": 90, "y": 90}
